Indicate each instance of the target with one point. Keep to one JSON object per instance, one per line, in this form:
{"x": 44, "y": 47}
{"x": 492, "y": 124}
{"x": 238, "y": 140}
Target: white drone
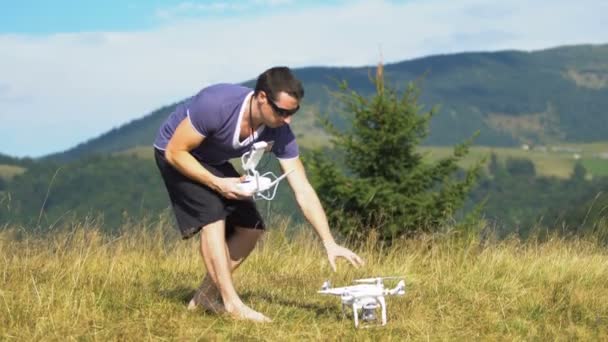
{"x": 262, "y": 186}
{"x": 367, "y": 296}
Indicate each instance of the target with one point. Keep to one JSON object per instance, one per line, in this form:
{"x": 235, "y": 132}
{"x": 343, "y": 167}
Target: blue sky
{"x": 71, "y": 70}
{"x": 44, "y": 17}
{"x": 47, "y": 17}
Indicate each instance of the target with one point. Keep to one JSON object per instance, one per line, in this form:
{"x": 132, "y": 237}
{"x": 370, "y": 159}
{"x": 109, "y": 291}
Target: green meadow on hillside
{"x": 78, "y": 283}
{"x": 9, "y": 171}
{"x": 548, "y": 163}
{"x": 557, "y": 161}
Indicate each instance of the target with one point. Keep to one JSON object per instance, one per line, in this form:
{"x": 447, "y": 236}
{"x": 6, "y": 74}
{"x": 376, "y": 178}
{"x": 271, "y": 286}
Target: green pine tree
{"x": 384, "y": 183}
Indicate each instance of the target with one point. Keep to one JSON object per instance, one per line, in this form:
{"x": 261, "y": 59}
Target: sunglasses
{"x": 282, "y": 111}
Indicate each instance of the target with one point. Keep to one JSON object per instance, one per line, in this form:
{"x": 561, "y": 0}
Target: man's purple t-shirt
{"x": 216, "y": 113}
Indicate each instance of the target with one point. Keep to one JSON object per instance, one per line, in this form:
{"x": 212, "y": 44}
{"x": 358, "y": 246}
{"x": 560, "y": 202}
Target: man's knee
{"x": 213, "y": 233}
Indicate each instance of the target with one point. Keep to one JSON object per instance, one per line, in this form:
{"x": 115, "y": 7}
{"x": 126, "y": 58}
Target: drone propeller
{"x": 376, "y": 279}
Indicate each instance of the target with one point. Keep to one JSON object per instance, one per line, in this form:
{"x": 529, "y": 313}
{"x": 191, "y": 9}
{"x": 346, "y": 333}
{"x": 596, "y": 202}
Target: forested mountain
{"x": 512, "y": 97}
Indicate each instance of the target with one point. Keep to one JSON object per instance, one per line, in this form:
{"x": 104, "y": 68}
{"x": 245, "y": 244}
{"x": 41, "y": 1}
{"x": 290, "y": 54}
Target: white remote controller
{"x": 259, "y": 186}
{"x": 249, "y": 184}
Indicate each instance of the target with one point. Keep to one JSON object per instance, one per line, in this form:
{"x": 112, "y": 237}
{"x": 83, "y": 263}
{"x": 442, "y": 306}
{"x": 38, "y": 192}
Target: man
{"x": 192, "y": 150}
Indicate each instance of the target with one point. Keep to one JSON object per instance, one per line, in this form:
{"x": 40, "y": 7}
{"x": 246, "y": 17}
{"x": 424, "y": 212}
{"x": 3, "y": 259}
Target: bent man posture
{"x": 192, "y": 150}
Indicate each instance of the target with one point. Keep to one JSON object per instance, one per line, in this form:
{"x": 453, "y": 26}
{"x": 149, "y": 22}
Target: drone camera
{"x": 368, "y": 313}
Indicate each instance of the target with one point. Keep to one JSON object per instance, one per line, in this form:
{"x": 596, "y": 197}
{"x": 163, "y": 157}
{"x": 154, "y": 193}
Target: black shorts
{"x": 196, "y": 205}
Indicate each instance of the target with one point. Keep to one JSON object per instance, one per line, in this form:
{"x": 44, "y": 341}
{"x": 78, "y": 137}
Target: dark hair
{"x": 278, "y": 79}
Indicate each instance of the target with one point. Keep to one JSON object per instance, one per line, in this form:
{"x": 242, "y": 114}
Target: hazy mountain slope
{"x": 511, "y": 97}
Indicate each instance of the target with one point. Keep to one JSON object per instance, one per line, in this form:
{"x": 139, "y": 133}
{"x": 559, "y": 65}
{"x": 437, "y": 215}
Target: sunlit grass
{"x": 596, "y": 167}
{"x": 78, "y": 283}
{"x": 142, "y": 152}
{"x": 548, "y": 163}
{"x": 10, "y": 171}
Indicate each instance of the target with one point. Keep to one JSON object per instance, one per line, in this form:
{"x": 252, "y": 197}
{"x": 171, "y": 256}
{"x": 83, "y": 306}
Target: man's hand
{"x": 334, "y": 251}
{"x": 228, "y": 187}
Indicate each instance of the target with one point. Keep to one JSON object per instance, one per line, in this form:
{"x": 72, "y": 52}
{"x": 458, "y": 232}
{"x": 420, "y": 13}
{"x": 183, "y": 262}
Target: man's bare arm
{"x": 311, "y": 207}
{"x": 307, "y": 198}
{"x": 186, "y": 138}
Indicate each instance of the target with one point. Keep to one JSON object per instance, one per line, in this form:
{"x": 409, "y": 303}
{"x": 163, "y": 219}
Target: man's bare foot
{"x": 243, "y": 312}
{"x": 210, "y": 303}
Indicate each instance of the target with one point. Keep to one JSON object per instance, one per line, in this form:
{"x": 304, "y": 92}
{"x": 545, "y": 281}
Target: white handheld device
{"x": 251, "y": 159}
{"x": 262, "y": 186}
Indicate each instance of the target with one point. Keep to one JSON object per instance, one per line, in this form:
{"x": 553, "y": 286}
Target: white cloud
{"x": 192, "y": 9}
{"x": 60, "y": 90}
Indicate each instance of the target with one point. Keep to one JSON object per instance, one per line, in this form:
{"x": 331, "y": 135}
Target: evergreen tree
{"x": 384, "y": 183}
{"x": 520, "y": 167}
{"x": 579, "y": 173}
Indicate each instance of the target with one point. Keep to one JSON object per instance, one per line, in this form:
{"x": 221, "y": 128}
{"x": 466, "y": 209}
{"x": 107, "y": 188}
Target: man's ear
{"x": 262, "y": 96}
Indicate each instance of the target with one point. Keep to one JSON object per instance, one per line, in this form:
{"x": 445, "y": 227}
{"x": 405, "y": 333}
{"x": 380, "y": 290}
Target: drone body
{"x": 365, "y": 297}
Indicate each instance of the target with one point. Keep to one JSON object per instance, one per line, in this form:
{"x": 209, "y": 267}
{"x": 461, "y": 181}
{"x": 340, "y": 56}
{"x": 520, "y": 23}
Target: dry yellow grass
{"x": 10, "y": 171}
{"x": 593, "y": 79}
{"x": 142, "y": 152}
{"x": 543, "y": 124}
{"x": 81, "y": 284}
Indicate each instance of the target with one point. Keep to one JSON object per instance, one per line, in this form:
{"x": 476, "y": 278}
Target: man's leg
{"x": 221, "y": 259}
{"x": 239, "y": 245}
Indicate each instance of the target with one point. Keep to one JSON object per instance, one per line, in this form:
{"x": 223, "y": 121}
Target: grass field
{"x": 143, "y": 152}
{"x": 547, "y": 163}
{"x": 78, "y": 284}
{"x": 10, "y": 171}
{"x": 596, "y": 166}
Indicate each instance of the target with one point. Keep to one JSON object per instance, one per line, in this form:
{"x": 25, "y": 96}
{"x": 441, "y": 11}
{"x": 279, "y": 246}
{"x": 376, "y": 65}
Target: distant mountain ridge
{"x": 511, "y": 97}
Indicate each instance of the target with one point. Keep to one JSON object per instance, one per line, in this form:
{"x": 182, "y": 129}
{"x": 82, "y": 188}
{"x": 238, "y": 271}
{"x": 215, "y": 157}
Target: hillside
{"x": 512, "y": 97}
